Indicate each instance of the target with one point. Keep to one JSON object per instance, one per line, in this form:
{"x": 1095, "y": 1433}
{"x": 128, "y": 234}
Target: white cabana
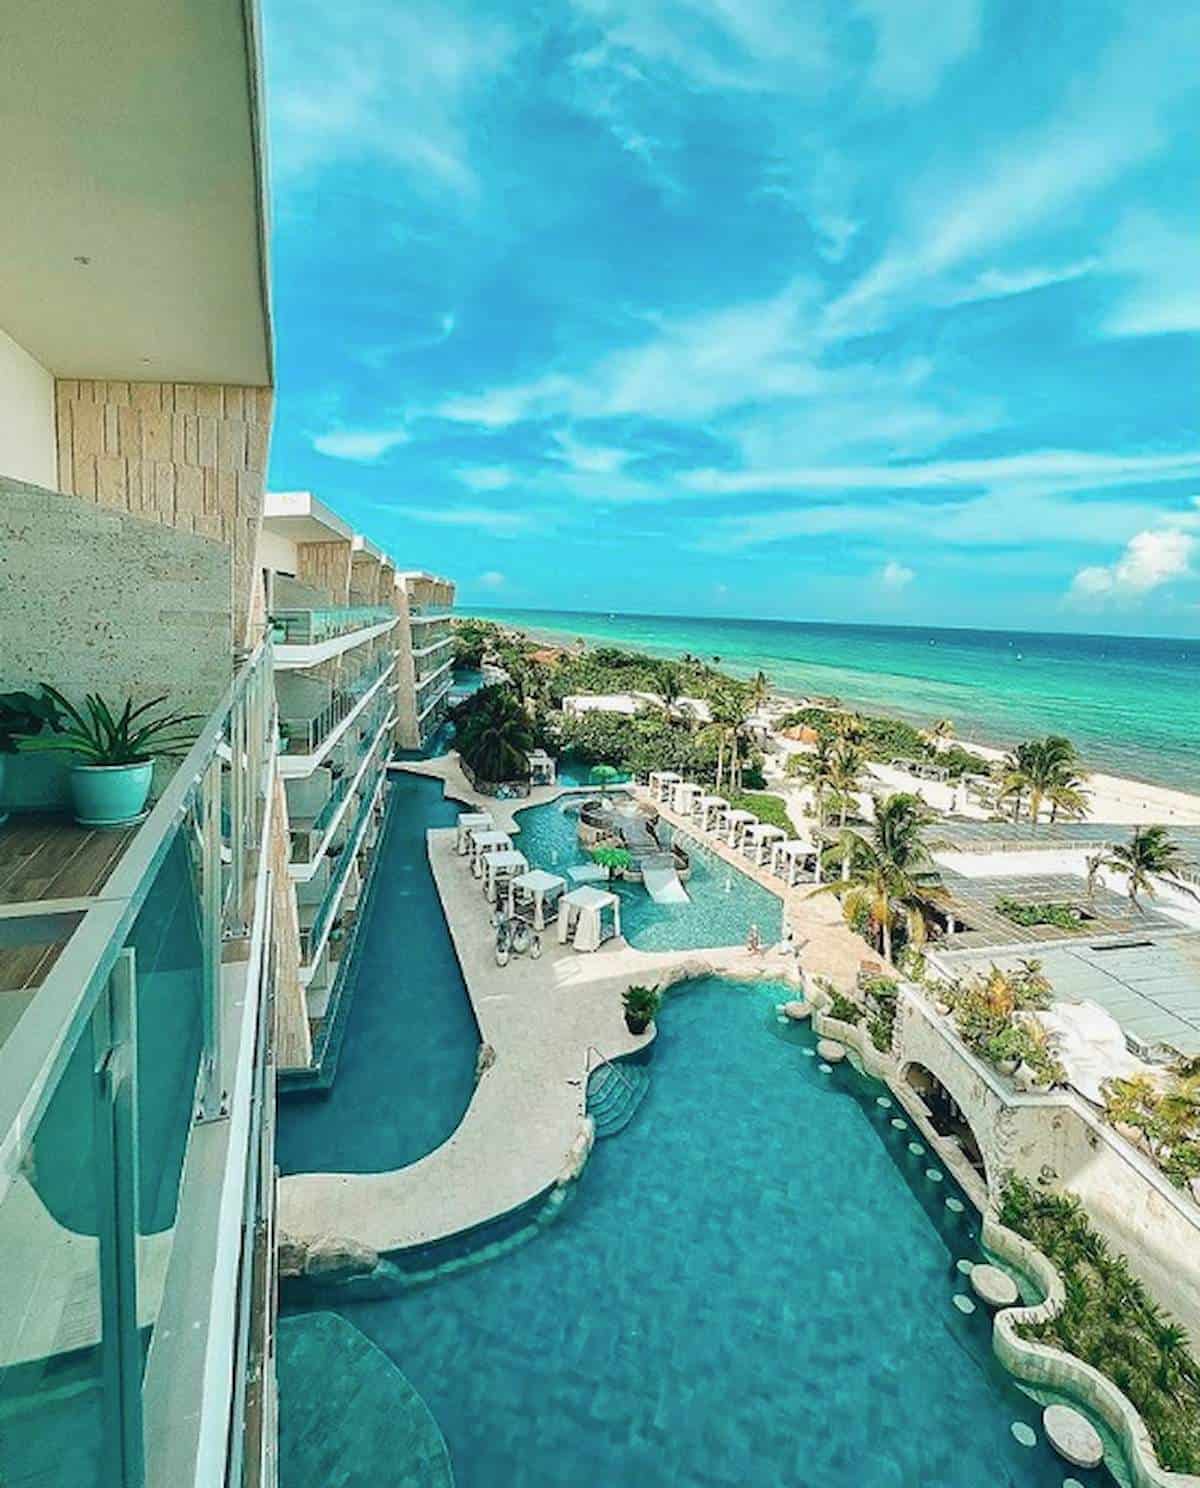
{"x": 535, "y": 896}
{"x": 758, "y": 840}
{"x": 499, "y": 869}
{"x": 736, "y": 824}
{"x": 683, "y": 796}
{"x": 486, "y": 842}
{"x": 710, "y": 813}
{"x": 587, "y": 917}
{"x": 542, "y": 768}
{"x": 661, "y": 782}
{"x": 789, "y": 861}
{"x": 468, "y": 822}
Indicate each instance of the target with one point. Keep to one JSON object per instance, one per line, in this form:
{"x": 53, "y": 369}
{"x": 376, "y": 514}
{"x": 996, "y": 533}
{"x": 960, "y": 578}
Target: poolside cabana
{"x": 486, "y": 842}
{"x": 587, "y": 917}
{"x": 791, "y": 861}
{"x": 758, "y": 841}
{"x": 542, "y": 768}
{"x": 711, "y": 814}
{"x": 468, "y": 822}
{"x": 661, "y": 784}
{"x": 535, "y": 896}
{"x": 684, "y": 795}
{"x": 737, "y": 823}
{"x": 499, "y": 870}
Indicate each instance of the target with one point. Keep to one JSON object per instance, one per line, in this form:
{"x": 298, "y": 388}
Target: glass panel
{"x": 51, "y": 1428}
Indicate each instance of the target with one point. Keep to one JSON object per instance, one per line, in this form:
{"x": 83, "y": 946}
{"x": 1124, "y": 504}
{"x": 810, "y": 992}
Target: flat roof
{"x": 132, "y": 190}
{"x": 300, "y": 517}
{"x": 958, "y": 834}
{"x": 1150, "y": 983}
{"x": 973, "y": 902}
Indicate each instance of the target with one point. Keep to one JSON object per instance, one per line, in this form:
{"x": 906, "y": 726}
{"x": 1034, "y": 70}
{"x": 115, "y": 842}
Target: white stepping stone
{"x": 796, "y": 1011}
{"x": 963, "y": 1303}
{"x": 965, "y": 1266}
{"x": 898, "y": 1124}
{"x": 916, "y": 1149}
{"x": 826, "y": 1069}
{"x": 1026, "y": 1435}
{"x": 993, "y": 1286}
{"x": 954, "y": 1206}
{"x": 1073, "y": 1436}
{"x": 809, "y": 1053}
{"x": 882, "y": 1100}
{"x": 830, "y": 1051}
{"x": 933, "y": 1175}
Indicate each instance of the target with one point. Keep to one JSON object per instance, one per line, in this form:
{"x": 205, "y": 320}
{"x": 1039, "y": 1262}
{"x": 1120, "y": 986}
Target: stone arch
{"x": 949, "y": 1117}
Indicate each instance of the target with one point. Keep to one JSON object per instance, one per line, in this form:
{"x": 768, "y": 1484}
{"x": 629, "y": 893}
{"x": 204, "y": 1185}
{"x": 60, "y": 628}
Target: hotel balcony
{"x": 136, "y": 1121}
{"x": 307, "y": 637}
{"x": 316, "y": 714}
{"x": 319, "y": 898}
{"x": 318, "y": 804}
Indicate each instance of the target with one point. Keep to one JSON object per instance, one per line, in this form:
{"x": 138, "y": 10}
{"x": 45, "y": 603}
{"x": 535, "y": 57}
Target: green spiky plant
{"x": 99, "y": 737}
{"x": 22, "y": 716}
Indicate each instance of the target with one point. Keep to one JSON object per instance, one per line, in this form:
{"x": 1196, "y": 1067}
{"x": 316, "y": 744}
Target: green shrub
{"x": 1109, "y": 1321}
{"x": 1061, "y": 916}
{"x": 844, "y": 1009}
{"x": 768, "y": 808}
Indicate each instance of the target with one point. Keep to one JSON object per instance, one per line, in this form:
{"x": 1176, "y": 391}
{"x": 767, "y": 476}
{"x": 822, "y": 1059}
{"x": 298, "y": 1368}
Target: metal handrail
{"x": 306, "y": 735}
{"x": 605, "y": 1060}
{"x": 309, "y": 627}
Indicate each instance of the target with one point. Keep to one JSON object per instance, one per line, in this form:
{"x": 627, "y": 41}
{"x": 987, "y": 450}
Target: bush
{"x": 1110, "y": 1322}
{"x": 844, "y": 1009}
{"x": 1061, "y": 916}
{"x": 767, "y": 808}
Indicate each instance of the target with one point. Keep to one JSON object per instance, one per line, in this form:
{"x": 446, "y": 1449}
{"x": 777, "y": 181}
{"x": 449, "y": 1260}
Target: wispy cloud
{"x": 497, "y": 522}
{"x": 1157, "y": 260}
{"x": 896, "y": 576}
{"x": 917, "y": 40}
{"x": 486, "y": 477}
{"x": 364, "y": 446}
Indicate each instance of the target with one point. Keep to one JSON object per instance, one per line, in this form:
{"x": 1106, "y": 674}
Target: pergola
{"x": 542, "y": 768}
{"x": 468, "y": 823}
{"x": 499, "y": 869}
{"x": 486, "y": 842}
{"x": 661, "y": 783}
{"x": 710, "y": 813}
{"x": 789, "y": 861}
{"x": 758, "y": 840}
{"x": 737, "y": 823}
{"x": 535, "y": 896}
{"x": 684, "y": 794}
{"x": 588, "y": 917}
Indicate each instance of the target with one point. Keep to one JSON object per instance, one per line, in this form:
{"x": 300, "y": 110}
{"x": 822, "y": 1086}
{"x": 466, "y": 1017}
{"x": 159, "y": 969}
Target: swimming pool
{"x": 723, "y": 902}
{"x": 755, "y": 1284}
{"x": 406, "y": 1071}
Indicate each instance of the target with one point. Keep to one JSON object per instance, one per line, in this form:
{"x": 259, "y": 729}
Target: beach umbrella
{"x": 603, "y": 775}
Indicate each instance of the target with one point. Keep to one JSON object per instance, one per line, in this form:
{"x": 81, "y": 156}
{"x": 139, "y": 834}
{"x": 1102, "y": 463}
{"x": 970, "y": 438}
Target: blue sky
{"x": 874, "y": 310}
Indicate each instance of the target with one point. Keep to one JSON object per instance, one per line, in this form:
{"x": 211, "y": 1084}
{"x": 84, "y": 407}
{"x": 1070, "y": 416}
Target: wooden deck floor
{"x": 47, "y": 862}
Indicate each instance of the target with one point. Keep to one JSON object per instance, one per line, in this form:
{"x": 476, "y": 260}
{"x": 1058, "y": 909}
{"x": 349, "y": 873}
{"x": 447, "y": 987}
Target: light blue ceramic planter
{"x": 110, "y": 795}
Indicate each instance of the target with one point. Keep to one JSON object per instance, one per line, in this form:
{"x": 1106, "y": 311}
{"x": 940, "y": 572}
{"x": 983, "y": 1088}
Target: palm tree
{"x": 730, "y": 710}
{"x": 942, "y": 729}
{"x": 816, "y": 770}
{"x": 670, "y": 690}
{"x": 848, "y": 725}
{"x": 495, "y": 736}
{"x": 760, "y": 690}
{"x": 847, "y": 763}
{"x": 1044, "y": 769}
{"x": 1150, "y": 853}
{"x": 891, "y": 874}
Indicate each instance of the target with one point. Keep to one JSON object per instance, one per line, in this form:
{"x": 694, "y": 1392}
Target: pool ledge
{"x": 546, "y": 1023}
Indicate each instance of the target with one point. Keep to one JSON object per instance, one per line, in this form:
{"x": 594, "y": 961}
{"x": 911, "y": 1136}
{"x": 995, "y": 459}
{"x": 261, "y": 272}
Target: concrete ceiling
{"x": 131, "y": 138}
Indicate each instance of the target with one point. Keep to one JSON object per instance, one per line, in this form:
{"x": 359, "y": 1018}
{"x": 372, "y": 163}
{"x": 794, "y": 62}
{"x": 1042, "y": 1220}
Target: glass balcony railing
{"x": 310, "y": 627}
{"x": 126, "y": 1095}
{"x": 312, "y": 937}
{"x": 428, "y": 701}
{"x": 437, "y": 667}
{"x": 431, "y": 642}
{"x": 305, "y": 839}
{"x": 427, "y": 612}
{"x": 306, "y": 735}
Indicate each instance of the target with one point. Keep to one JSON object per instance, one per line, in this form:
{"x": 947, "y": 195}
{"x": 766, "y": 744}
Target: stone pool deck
{"x": 547, "y": 1022}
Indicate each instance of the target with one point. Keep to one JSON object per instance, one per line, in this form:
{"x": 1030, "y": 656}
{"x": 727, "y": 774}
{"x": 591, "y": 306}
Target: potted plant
{"x": 641, "y": 1004}
{"x": 22, "y": 716}
{"x": 115, "y": 754}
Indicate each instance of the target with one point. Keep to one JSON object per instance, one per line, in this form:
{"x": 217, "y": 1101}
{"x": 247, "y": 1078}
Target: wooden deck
{"x": 49, "y": 867}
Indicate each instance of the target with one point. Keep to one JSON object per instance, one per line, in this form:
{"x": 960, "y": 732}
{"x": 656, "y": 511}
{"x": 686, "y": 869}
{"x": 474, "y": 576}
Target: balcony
{"x": 427, "y": 701}
{"x": 134, "y": 1076}
{"x": 305, "y": 637}
{"x": 423, "y": 614}
{"x": 316, "y": 918}
{"x": 310, "y": 732}
{"x": 311, "y": 838}
{"x": 431, "y": 643}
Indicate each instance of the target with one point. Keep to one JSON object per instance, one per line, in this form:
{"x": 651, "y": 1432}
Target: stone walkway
{"x": 546, "y": 1022}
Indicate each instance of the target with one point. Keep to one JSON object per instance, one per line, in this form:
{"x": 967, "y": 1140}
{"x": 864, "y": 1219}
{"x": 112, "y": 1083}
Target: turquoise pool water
{"x": 407, "y": 1065}
{"x": 723, "y": 902}
{"x": 753, "y": 1285}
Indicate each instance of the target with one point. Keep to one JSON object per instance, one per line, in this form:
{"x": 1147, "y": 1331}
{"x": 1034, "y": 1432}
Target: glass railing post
{"x": 211, "y": 1100}
{"x": 237, "y": 812}
{"x": 115, "y": 1168}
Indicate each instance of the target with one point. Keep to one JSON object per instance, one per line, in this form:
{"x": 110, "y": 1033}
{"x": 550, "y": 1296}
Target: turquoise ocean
{"x": 1130, "y": 703}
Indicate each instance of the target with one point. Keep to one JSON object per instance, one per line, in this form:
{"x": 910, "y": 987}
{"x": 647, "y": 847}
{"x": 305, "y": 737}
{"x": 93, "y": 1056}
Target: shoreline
{"x": 1117, "y": 800}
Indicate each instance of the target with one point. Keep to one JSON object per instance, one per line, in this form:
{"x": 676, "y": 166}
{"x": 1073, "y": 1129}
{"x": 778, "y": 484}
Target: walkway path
{"x": 540, "y": 1019}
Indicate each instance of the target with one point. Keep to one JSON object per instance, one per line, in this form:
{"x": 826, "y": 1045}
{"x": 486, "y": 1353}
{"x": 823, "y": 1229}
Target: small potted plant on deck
{"x": 115, "y": 753}
{"x": 22, "y": 716}
{"x": 641, "y": 1004}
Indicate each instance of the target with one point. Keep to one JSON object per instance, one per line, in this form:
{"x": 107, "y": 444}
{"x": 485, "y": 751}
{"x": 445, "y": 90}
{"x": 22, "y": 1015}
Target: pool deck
{"x": 546, "y": 1021}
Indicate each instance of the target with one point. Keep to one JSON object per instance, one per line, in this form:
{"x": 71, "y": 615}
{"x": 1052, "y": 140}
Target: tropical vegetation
{"x": 1044, "y": 771}
{"x": 1110, "y": 1322}
{"x": 1061, "y": 916}
{"x": 1163, "y": 1118}
{"x": 24, "y": 715}
{"x": 493, "y": 734}
{"x": 766, "y": 807}
{"x": 1150, "y": 853}
{"x": 641, "y": 1006}
{"x": 992, "y": 1013}
{"x": 888, "y": 882}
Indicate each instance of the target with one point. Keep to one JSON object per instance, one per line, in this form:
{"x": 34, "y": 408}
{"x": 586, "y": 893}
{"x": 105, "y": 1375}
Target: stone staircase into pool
{"x": 613, "y": 1095}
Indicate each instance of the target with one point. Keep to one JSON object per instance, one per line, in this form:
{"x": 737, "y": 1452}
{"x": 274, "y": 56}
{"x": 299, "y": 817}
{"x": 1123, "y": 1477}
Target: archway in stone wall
{"x": 946, "y": 1116}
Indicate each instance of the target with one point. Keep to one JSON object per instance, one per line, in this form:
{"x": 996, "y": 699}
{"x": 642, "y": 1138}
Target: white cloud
{"x": 896, "y": 576}
{"x": 497, "y": 522}
{"x": 916, "y": 40}
{"x": 589, "y": 459}
{"x": 486, "y": 477}
{"x": 1151, "y": 559}
{"x": 493, "y": 579}
{"x": 1158, "y": 260}
{"x": 362, "y": 445}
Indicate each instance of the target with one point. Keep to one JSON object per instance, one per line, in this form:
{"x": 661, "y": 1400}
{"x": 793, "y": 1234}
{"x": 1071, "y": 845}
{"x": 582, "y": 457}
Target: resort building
{"x": 425, "y": 656}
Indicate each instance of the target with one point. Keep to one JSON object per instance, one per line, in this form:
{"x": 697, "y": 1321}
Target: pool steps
{"x": 614, "y": 1094}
